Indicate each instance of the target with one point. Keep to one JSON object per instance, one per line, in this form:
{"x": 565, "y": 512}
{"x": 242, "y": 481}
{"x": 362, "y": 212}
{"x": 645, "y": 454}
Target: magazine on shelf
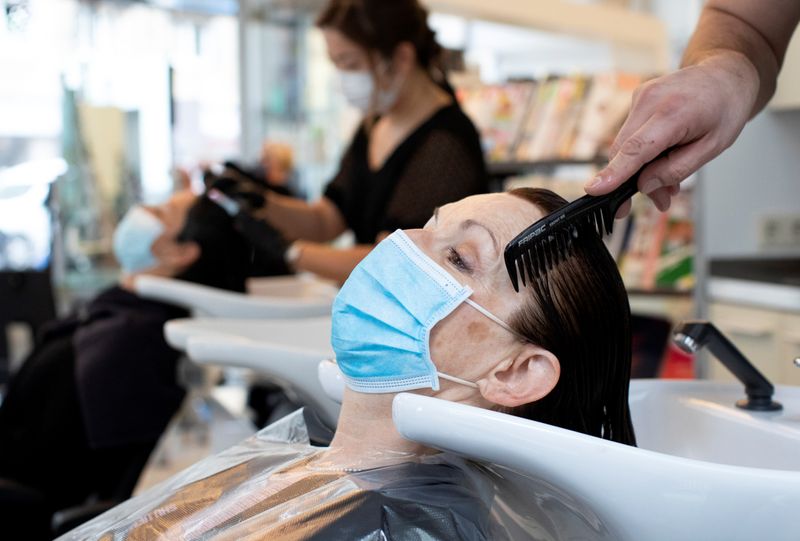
{"x": 558, "y": 118}
{"x": 658, "y": 254}
{"x": 499, "y": 112}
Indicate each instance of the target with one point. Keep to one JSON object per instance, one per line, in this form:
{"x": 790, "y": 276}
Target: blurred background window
{"x": 118, "y": 93}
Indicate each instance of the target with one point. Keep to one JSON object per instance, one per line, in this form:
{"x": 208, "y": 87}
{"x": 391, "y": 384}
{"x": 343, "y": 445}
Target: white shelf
{"x": 638, "y": 32}
{"x": 771, "y": 296}
{"x": 627, "y": 29}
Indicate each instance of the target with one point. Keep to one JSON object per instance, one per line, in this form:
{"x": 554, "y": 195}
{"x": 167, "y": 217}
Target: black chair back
{"x": 25, "y": 297}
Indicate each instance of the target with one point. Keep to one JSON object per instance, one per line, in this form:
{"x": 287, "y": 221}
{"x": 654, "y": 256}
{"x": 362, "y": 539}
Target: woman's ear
{"x": 176, "y": 256}
{"x": 187, "y": 254}
{"x": 528, "y": 377}
{"x": 404, "y": 58}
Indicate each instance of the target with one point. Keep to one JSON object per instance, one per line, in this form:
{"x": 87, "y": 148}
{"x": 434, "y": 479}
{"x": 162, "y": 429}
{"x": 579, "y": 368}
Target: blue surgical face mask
{"x": 134, "y": 238}
{"x": 359, "y": 89}
{"x": 384, "y": 313}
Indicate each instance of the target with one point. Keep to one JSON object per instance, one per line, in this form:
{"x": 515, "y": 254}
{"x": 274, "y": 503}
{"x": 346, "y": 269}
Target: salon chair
{"x": 26, "y": 514}
{"x": 27, "y": 297}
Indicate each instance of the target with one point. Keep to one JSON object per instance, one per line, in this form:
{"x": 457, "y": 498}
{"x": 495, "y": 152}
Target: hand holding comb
{"x": 548, "y": 241}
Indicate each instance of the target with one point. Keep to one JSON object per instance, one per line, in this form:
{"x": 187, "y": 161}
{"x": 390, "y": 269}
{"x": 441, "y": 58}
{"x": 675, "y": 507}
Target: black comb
{"x": 548, "y": 241}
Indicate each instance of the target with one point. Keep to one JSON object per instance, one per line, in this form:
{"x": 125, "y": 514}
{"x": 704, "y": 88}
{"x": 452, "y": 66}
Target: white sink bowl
{"x": 306, "y": 286}
{"x": 312, "y": 334}
{"x": 704, "y": 469}
{"x": 287, "y": 352}
{"x": 698, "y": 420}
{"x": 281, "y": 298}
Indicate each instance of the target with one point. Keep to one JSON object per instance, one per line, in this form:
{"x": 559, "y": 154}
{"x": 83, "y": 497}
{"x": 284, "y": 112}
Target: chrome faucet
{"x": 691, "y": 336}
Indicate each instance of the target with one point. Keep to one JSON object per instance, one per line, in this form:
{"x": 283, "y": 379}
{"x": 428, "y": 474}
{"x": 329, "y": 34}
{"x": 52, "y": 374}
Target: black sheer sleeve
{"x": 342, "y": 190}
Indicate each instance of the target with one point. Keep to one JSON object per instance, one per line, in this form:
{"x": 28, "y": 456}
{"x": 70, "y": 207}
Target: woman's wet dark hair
{"x": 382, "y": 25}
{"x": 227, "y": 258}
{"x": 579, "y": 311}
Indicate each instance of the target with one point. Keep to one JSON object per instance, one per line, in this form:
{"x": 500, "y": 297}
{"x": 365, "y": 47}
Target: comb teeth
{"x": 548, "y": 241}
{"x": 542, "y": 256}
{"x": 529, "y": 262}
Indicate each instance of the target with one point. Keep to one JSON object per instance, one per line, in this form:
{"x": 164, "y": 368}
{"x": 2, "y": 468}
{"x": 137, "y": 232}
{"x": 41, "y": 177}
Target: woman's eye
{"x": 455, "y": 259}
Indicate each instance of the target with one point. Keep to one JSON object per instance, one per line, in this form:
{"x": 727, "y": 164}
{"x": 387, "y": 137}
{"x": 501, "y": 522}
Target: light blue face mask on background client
{"x": 384, "y": 313}
{"x": 134, "y": 238}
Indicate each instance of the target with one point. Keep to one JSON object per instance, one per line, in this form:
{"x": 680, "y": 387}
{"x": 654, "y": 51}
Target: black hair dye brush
{"x": 548, "y": 241}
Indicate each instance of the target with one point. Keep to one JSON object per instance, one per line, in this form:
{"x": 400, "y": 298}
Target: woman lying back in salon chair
{"x": 88, "y": 405}
{"x": 430, "y": 311}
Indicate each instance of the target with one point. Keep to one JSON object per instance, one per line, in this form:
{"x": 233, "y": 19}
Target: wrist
{"x": 732, "y": 68}
{"x": 293, "y": 254}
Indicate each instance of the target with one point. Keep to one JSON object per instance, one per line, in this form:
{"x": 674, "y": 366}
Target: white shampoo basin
{"x": 703, "y": 470}
{"x": 306, "y": 286}
{"x": 310, "y": 334}
{"x": 298, "y": 299}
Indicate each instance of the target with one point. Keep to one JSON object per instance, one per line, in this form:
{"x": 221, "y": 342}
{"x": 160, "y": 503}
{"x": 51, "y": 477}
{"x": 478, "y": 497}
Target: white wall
{"x": 759, "y": 175}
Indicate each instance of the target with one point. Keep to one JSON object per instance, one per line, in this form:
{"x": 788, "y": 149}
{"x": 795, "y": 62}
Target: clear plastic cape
{"x": 263, "y": 488}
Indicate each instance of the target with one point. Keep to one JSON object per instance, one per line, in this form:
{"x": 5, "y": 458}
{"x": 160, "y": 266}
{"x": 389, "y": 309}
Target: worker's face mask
{"x": 134, "y": 238}
{"x": 384, "y": 313}
{"x": 359, "y": 89}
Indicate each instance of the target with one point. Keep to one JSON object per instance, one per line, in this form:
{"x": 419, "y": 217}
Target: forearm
{"x": 329, "y": 262}
{"x": 297, "y": 219}
{"x": 751, "y": 35}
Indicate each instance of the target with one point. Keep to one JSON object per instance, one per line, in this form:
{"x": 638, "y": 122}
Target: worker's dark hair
{"x": 579, "y": 311}
{"x": 381, "y": 25}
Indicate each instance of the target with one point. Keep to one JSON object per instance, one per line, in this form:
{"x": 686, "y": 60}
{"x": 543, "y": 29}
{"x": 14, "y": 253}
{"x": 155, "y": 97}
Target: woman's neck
{"x": 366, "y": 434}
{"x": 418, "y": 101}
{"x": 420, "y": 98}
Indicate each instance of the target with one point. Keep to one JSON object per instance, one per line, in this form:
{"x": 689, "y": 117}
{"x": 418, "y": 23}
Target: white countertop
{"x": 766, "y": 295}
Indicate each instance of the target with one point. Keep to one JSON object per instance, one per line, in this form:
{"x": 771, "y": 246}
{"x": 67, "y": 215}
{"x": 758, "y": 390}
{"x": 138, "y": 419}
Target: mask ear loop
{"x": 494, "y": 318}
{"x": 457, "y": 380}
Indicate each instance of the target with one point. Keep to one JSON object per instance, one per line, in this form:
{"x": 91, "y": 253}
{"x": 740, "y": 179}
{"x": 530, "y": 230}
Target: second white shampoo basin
{"x": 304, "y": 285}
{"x": 299, "y": 298}
{"x": 312, "y": 334}
{"x": 286, "y": 352}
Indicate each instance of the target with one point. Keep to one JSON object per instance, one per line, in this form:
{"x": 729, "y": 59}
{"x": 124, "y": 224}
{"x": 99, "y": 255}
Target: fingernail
{"x": 650, "y": 185}
{"x": 661, "y": 201}
{"x": 596, "y": 182}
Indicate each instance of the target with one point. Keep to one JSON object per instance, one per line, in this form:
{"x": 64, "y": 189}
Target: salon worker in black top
{"x": 415, "y": 150}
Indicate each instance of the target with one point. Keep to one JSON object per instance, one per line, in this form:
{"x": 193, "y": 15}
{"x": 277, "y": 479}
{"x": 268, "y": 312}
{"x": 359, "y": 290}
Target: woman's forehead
{"x": 503, "y": 213}
{"x": 340, "y": 47}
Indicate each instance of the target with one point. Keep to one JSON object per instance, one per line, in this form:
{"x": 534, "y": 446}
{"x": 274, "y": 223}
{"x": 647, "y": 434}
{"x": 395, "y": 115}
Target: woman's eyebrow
{"x": 466, "y": 224}
{"x": 343, "y": 57}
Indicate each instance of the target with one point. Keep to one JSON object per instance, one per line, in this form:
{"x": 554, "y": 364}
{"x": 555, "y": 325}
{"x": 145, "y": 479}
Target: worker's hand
{"x": 249, "y": 195}
{"x": 697, "y": 112}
